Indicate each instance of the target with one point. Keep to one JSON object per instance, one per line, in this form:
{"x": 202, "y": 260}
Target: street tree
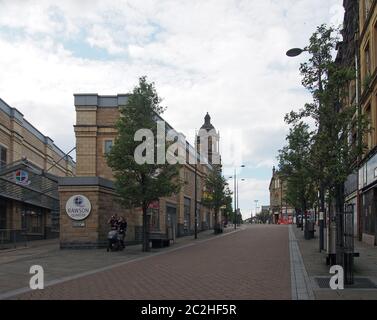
{"x": 138, "y": 185}
{"x": 296, "y": 169}
{"x": 227, "y": 206}
{"x": 264, "y": 216}
{"x": 333, "y": 153}
{"x": 216, "y": 193}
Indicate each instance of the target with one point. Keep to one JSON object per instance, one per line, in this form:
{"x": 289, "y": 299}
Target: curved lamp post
{"x": 294, "y": 52}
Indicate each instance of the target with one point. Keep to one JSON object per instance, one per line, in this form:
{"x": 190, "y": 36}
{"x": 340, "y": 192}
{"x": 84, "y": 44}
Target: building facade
{"x": 95, "y": 132}
{"x": 29, "y": 169}
{"x": 367, "y": 176}
{"x": 348, "y": 57}
{"x": 280, "y": 210}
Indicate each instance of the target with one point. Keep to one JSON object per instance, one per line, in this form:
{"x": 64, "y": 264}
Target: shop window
{"x": 55, "y": 221}
{"x": 3, "y": 157}
{"x": 32, "y": 220}
{"x": 3, "y": 214}
{"x": 154, "y": 222}
{"x": 108, "y": 146}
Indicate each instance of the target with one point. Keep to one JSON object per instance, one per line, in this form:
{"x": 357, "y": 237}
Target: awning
{"x": 25, "y": 182}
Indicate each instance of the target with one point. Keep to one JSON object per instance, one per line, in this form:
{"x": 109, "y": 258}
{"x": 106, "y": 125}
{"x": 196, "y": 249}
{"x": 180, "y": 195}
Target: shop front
{"x": 29, "y": 203}
{"x": 368, "y": 190}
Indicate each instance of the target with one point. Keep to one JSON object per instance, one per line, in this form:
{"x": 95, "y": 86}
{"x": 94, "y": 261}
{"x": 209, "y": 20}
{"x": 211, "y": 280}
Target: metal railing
{"x": 12, "y": 238}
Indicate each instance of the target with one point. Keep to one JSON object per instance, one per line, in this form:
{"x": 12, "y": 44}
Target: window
{"x": 375, "y": 44}
{"x": 187, "y": 209}
{"x": 108, "y": 146}
{"x": 367, "y": 6}
{"x": 154, "y": 222}
{"x": 369, "y": 133}
{"x": 32, "y": 220}
{"x": 3, "y": 157}
{"x": 368, "y": 67}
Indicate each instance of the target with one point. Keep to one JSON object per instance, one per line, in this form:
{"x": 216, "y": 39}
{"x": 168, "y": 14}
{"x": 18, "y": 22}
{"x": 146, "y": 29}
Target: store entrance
{"x": 32, "y": 220}
{"x": 3, "y": 214}
{"x": 171, "y": 219}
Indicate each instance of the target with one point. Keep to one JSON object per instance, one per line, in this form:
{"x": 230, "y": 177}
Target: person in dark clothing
{"x": 122, "y": 228}
{"x": 113, "y": 222}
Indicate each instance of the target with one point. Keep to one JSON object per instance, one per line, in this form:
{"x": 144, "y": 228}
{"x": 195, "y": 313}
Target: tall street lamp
{"x": 256, "y": 206}
{"x": 236, "y": 195}
{"x": 238, "y": 209}
{"x": 294, "y": 52}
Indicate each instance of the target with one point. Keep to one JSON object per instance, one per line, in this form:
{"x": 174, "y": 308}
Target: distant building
{"x": 280, "y": 210}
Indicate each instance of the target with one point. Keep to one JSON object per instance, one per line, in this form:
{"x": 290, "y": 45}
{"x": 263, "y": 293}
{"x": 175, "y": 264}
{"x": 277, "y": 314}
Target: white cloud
{"x": 102, "y": 38}
{"x": 226, "y": 57}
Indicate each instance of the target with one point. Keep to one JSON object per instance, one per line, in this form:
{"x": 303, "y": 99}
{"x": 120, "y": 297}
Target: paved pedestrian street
{"x": 252, "y": 263}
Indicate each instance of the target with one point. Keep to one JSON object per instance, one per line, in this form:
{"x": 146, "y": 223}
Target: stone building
{"x": 281, "y": 211}
{"x": 95, "y": 134}
{"x": 29, "y": 169}
{"x": 359, "y": 50}
{"x": 367, "y": 40}
{"x": 347, "y": 56}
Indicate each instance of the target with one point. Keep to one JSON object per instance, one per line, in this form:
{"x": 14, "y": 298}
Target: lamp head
{"x": 294, "y": 52}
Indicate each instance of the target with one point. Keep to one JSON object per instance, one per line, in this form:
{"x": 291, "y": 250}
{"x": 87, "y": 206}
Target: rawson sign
{"x": 78, "y": 207}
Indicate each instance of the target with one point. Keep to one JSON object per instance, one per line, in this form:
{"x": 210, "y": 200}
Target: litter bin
{"x": 309, "y": 230}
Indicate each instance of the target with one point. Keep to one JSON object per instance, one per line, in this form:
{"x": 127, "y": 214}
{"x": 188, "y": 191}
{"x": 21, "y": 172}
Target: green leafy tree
{"x": 264, "y": 216}
{"x": 296, "y": 168}
{"x": 228, "y": 207}
{"x": 138, "y": 185}
{"x": 216, "y": 194}
{"x": 332, "y": 153}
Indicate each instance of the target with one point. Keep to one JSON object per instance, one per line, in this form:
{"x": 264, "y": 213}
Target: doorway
{"x": 171, "y": 218}
{"x": 3, "y": 214}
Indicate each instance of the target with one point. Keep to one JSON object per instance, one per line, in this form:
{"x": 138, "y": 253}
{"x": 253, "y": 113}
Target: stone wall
{"x": 104, "y": 204}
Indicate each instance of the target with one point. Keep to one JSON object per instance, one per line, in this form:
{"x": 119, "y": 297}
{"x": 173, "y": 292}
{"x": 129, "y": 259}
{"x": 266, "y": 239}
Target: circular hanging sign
{"x": 22, "y": 177}
{"x": 78, "y": 207}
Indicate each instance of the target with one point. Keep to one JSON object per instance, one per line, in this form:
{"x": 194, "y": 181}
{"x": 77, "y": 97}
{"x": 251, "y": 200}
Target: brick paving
{"x": 301, "y": 283}
{"x": 315, "y": 265}
{"x": 62, "y": 264}
{"x": 250, "y": 264}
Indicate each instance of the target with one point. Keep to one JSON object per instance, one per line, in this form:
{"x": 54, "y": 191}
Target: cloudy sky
{"x": 225, "y": 57}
